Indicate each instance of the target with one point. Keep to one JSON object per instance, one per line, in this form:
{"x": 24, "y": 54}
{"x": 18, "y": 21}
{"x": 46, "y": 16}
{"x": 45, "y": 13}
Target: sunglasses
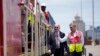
{"x": 71, "y": 27}
{"x": 56, "y": 27}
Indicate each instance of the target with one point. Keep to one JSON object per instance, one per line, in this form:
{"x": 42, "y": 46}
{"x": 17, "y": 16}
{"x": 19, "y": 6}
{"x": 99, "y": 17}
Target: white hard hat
{"x": 43, "y": 4}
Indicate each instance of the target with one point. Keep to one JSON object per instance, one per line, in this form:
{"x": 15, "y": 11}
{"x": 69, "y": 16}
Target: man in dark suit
{"x": 54, "y": 45}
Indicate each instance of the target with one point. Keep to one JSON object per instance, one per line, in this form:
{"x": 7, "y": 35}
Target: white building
{"x": 79, "y": 24}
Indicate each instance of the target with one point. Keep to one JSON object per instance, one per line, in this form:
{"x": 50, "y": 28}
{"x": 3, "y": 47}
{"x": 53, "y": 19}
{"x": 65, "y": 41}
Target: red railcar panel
{"x": 1, "y": 29}
{"x": 13, "y": 22}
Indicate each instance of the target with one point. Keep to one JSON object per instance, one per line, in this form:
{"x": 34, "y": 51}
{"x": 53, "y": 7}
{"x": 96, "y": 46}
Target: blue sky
{"x": 64, "y": 11}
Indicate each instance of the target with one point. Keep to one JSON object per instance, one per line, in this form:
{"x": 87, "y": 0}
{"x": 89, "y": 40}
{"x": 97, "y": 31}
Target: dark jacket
{"x": 52, "y": 42}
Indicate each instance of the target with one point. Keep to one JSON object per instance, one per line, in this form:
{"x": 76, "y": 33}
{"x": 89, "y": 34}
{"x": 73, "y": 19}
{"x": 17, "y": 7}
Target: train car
{"x": 22, "y": 28}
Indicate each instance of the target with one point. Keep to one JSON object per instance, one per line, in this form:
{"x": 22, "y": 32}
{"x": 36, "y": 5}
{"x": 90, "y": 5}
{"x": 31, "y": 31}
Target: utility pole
{"x": 81, "y": 9}
{"x": 93, "y": 22}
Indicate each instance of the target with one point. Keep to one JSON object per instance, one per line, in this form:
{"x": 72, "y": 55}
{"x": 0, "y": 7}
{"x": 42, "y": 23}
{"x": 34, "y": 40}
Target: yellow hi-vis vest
{"x": 75, "y": 44}
{"x": 75, "y": 47}
{"x": 31, "y": 17}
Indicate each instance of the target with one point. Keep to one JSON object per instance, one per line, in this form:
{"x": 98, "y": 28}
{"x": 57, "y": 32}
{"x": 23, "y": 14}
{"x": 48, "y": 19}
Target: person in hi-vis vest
{"x": 75, "y": 40}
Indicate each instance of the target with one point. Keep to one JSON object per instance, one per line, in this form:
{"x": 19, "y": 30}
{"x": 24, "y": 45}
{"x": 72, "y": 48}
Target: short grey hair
{"x": 72, "y": 24}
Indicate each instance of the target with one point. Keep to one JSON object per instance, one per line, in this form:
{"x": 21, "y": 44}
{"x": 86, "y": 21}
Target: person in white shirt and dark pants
{"x": 54, "y": 45}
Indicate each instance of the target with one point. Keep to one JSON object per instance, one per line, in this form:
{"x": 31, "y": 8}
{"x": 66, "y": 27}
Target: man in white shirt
{"x": 54, "y": 45}
{"x": 74, "y": 38}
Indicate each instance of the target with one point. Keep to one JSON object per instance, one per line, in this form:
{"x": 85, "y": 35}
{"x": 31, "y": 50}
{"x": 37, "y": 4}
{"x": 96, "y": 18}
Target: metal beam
{"x": 4, "y": 28}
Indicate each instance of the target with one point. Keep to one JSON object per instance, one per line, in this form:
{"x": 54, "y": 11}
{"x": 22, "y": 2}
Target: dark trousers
{"x": 76, "y": 54}
{"x": 59, "y": 52}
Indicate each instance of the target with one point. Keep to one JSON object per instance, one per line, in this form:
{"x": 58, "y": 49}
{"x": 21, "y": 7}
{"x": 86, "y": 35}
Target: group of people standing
{"x": 72, "y": 43}
{"x": 58, "y": 42}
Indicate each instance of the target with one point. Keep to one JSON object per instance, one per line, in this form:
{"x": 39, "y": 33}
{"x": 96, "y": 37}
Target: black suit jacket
{"x": 52, "y": 42}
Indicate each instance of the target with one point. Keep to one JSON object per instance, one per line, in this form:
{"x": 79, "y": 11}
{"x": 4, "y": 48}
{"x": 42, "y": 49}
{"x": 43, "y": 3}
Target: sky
{"x": 64, "y": 11}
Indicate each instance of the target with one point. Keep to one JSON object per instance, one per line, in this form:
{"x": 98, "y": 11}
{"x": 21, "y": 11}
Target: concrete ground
{"x": 92, "y": 50}
{"x": 29, "y": 54}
